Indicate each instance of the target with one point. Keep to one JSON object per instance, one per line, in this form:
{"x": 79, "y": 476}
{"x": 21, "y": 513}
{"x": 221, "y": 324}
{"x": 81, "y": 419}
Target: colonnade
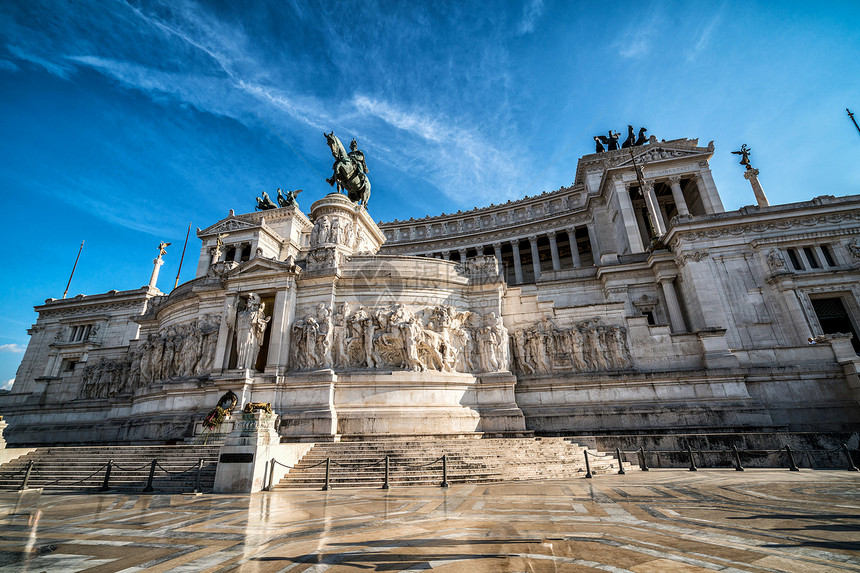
{"x": 633, "y": 220}
{"x": 551, "y": 236}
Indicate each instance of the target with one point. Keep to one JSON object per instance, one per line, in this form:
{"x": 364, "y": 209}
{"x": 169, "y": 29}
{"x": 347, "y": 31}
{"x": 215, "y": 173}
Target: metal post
{"x": 151, "y": 476}
{"x": 106, "y": 482}
{"x": 27, "y": 475}
{"x": 445, "y": 470}
{"x": 587, "y": 465}
{"x": 271, "y": 476}
{"x": 738, "y": 466}
{"x": 327, "y": 485}
{"x": 851, "y": 466}
{"x": 791, "y": 465}
{"x": 199, "y": 471}
{"x": 642, "y": 465}
{"x": 620, "y": 463}
{"x": 385, "y": 485}
{"x": 693, "y": 467}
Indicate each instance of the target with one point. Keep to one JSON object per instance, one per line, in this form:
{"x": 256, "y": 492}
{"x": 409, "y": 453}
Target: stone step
{"x": 83, "y": 468}
{"x": 361, "y": 464}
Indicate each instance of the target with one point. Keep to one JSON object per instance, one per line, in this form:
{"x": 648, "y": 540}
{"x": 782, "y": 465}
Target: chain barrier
{"x": 386, "y": 461}
{"x": 131, "y": 470}
{"x": 177, "y": 472}
{"x": 58, "y": 480}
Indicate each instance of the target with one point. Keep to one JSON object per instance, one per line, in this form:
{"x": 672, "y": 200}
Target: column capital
{"x": 532, "y": 238}
{"x": 515, "y": 242}
{"x": 675, "y": 179}
{"x": 497, "y": 245}
{"x": 551, "y": 234}
{"x": 649, "y": 185}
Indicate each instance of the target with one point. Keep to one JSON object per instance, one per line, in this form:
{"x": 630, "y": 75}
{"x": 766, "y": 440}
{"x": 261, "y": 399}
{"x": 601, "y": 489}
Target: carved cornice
{"x": 781, "y": 224}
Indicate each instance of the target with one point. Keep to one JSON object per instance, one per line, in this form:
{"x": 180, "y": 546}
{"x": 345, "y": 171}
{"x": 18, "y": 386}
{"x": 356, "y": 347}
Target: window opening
{"x": 810, "y": 256}
{"x": 828, "y": 256}
{"x": 834, "y": 318}
{"x": 795, "y": 261}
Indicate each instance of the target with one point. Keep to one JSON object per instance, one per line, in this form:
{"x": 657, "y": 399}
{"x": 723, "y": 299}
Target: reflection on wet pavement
{"x": 665, "y": 520}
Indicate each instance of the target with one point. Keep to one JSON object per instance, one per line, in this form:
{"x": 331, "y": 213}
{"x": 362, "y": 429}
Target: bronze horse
{"x": 347, "y": 172}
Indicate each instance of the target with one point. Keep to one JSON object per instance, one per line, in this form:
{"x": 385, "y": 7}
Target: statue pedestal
{"x": 245, "y": 460}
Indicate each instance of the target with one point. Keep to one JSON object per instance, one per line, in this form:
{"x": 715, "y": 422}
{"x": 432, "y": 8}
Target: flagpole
{"x": 65, "y": 292}
{"x": 851, "y": 115}
{"x": 176, "y": 284}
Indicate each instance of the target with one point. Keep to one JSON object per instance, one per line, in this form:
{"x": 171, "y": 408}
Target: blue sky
{"x": 124, "y": 121}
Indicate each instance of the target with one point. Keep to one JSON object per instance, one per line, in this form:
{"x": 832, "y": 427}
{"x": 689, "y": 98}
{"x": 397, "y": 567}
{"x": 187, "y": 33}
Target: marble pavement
{"x": 665, "y": 520}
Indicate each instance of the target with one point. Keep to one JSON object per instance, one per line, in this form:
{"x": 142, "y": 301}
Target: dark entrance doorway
{"x": 834, "y": 318}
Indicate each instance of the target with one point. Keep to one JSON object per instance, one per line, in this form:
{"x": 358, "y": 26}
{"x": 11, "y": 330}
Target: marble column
{"x": 535, "y": 256}
{"x": 462, "y": 255}
{"x": 237, "y": 255}
{"x": 574, "y": 249}
{"x": 676, "y": 317}
{"x": 497, "y": 248}
{"x": 628, "y": 217}
{"x": 518, "y": 265}
{"x": 153, "y": 279}
{"x": 657, "y": 222}
{"x": 751, "y": 175}
{"x": 553, "y": 247}
{"x": 446, "y": 255}
{"x": 678, "y": 196}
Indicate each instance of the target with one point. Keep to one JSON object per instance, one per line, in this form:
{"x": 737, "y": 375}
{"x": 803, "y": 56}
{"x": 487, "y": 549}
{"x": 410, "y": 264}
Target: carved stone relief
{"x": 440, "y": 338}
{"x": 588, "y": 346}
{"x": 179, "y": 351}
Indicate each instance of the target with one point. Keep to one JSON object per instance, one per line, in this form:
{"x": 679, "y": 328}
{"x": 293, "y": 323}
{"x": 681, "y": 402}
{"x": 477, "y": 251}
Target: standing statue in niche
{"x": 250, "y": 327}
{"x": 349, "y": 170}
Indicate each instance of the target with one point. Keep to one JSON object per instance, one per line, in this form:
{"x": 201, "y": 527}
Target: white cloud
{"x": 14, "y": 348}
{"x": 7, "y": 385}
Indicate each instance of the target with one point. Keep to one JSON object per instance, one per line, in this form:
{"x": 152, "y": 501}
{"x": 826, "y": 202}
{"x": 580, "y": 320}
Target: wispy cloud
{"x": 7, "y": 385}
{"x": 532, "y": 10}
{"x": 637, "y": 39}
{"x": 14, "y": 348}
{"x": 704, "y": 34}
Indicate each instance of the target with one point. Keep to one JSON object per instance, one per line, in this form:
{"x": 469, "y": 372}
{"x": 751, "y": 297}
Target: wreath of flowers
{"x": 215, "y": 418}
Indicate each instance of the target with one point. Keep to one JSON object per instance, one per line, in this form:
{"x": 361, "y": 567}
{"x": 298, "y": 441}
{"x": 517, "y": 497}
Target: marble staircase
{"x": 82, "y": 468}
{"x": 414, "y": 463}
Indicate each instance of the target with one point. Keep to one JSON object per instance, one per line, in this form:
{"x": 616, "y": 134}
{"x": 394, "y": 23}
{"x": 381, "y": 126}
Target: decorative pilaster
{"x": 628, "y": 217}
{"x": 676, "y": 317}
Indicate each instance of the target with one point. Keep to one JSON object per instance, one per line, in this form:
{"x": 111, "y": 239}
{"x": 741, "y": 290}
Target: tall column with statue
{"x": 751, "y": 175}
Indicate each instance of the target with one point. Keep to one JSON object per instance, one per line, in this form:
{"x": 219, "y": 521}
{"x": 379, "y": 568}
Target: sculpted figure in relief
{"x": 588, "y": 346}
{"x": 439, "y": 338}
{"x": 250, "y": 327}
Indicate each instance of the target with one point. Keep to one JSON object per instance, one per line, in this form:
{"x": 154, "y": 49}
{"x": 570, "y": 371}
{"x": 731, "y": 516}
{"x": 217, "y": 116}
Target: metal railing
{"x": 784, "y": 457}
{"x": 386, "y": 462}
{"x": 110, "y": 469}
